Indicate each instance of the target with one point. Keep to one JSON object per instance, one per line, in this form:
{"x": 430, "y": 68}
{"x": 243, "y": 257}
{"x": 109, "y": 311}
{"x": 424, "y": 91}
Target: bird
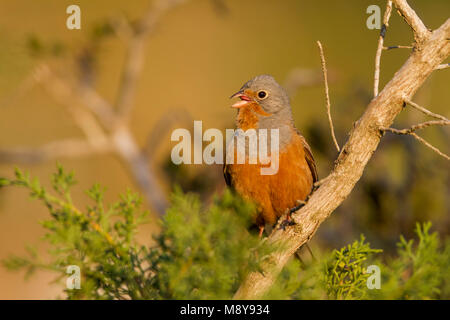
{"x": 264, "y": 104}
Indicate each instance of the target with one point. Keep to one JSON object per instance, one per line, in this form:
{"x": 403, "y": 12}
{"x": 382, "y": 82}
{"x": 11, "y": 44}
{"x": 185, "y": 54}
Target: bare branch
{"x": 443, "y": 66}
{"x": 135, "y": 56}
{"x": 387, "y": 15}
{"x": 397, "y": 47}
{"x": 99, "y": 106}
{"x": 412, "y": 19}
{"x": 65, "y": 96}
{"x": 363, "y": 140}
{"x": 300, "y": 78}
{"x": 425, "y": 111}
{"x": 327, "y": 96}
{"x": 418, "y": 138}
{"x": 418, "y": 126}
{"x": 163, "y": 127}
{"x": 411, "y": 131}
{"x": 119, "y": 141}
{"x": 128, "y": 151}
{"x": 54, "y": 150}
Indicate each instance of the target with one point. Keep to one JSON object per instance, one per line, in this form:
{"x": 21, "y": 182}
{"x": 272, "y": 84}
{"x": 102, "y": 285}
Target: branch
{"x": 420, "y": 139}
{"x": 327, "y": 96}
{"x": 163, "y": 127}
{"x": 100, "y": 113}
{"x": 443, "y": 66}
{"x": 425, "y": 111}
{"x": 418, "y": 127}
{"x": 54, "y": 150}
{"x": 361, "y": 144}
{"x": 420, "y": 31}
{"x": 300, "y": 78}
{"x": 397, "y": 47}
{"x": 411, "y": 131}
{"x": 135, "y": 56}
{"x": 387, "y": 15}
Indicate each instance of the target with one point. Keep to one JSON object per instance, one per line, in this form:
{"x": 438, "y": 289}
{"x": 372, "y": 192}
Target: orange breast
{"x": 273, "y": 194}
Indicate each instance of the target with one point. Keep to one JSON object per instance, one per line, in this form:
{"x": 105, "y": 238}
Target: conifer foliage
{"x": 204, "y": 251}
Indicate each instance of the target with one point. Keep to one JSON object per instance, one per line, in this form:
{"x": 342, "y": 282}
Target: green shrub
{"x": 204, "y": 252}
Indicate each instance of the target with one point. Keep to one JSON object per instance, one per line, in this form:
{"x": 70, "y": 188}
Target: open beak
{"x": 244, "y": 99}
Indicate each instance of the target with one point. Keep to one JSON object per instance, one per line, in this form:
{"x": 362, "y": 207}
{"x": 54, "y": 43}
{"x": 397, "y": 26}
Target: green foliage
{"x": 346, "y": 272}
{"x": 419, "y": 271}
{"x": 200, "y": 253}
{"x": 339, "y": 275}
{"x": 204, "y": 252}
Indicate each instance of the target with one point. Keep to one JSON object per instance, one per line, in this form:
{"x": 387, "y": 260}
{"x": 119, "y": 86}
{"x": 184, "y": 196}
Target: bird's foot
{"x": 287, "y": 222}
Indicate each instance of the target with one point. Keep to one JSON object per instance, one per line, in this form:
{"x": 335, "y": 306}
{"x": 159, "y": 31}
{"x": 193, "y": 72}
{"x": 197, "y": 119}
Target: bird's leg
{"x": 288, "y": 221}
{"x": 300, "y": 204}
{"x": 261, "y": 230}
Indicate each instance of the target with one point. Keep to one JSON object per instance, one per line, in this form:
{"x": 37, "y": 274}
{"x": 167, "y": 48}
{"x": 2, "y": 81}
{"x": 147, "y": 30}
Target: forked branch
{"x": 431, "y": 49}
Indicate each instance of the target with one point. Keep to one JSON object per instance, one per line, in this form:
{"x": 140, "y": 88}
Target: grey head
{"x": 272, "y": 97}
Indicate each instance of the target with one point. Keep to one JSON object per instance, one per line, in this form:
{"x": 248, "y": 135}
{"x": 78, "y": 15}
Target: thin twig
{"x": 411, "y": 131}
{"x": 418, "y": 126}
{"x": 387, "y": 15}
{"x": 135, "y": 56}
{"x": 327, "y": 96}
{"x": 418, "y": 138}
{"x": 443, "y": 66}
{"x": 425, "y": 111}
{"x": 397, "y": 47}
{"x": 420, "y": 31}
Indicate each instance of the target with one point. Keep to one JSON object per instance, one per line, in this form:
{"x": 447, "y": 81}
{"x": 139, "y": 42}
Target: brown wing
{"x": 309, "y": 158}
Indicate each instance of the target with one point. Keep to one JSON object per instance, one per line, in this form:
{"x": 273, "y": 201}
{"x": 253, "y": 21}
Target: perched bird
{"x": 265, "y": 105}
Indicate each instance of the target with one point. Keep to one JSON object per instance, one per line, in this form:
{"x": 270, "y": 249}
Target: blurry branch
{"x": 425, "y": 111}
{"x": 299, "y": 78}
{"x": 387, "y": 15}
{"x": 221, "y": 7}
{"x": 430, "y": 50}
{"x": 163, "y": 127}
{"x": 68, "y": 148}
{"x": 135, "y": 56}
{"x": 327, "y": 96}
{"x": 26, "y": 85}
{"x": 104, "y": 125}
{"x": 443, "y": 66}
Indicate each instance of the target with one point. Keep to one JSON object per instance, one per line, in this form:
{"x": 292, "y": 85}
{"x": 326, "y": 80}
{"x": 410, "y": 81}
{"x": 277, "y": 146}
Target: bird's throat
{"x": 248, "y": 116}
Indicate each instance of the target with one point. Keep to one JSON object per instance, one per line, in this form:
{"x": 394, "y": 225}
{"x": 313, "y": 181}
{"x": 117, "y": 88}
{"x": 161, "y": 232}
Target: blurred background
{"x": 195, "y": 55}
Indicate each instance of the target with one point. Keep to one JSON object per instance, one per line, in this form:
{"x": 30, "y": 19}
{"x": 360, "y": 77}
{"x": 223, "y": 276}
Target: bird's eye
{"x": 262, "y": 94}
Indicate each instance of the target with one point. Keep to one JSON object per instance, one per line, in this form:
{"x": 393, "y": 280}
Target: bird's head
{"x": 265, "y": 92}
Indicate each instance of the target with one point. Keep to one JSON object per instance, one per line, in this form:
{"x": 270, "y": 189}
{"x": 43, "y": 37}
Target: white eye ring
{"x": 262, "y": 94}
